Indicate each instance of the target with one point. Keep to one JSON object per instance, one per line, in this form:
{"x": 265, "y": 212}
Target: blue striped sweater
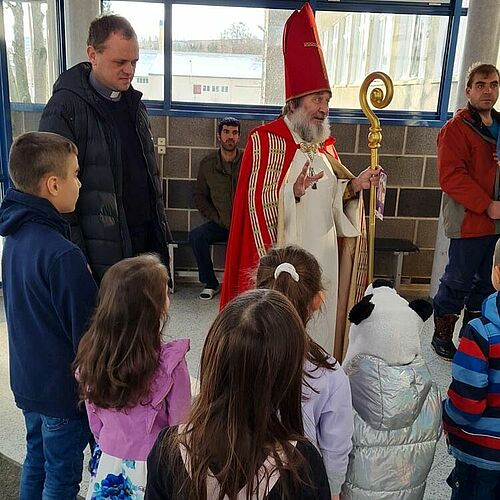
{"x": 471, "y": 415}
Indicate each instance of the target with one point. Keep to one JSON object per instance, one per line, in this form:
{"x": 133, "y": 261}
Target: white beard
{"x": 309, "y": 132}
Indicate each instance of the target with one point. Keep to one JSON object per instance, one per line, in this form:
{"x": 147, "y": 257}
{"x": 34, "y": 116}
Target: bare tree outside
{"x": 238, "y": 39}
{"x": 17, "y": 65}
{"x": 39, "y": 53}
{"x": 106, "y": 7}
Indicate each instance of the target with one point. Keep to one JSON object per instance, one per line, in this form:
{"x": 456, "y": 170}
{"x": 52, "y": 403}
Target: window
{"x": 31, "y": 40}
{"x": 228, "y": 57}
{"x": 214, "y": 48}
{"x": 242, "y": 45}
{"x": 410, "y": 40}
{"x": 357, "y": 64}
{"x": 381, "y": 31}
{"x": 148, "y": 20}
{"x": 406, "y": 47}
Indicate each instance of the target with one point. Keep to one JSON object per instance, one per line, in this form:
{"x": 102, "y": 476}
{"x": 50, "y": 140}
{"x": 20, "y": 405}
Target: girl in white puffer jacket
{"x": 397, "y": 406}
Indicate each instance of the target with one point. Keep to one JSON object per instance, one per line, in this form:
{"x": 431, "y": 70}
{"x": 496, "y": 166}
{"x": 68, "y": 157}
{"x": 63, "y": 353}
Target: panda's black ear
{"x": 361, "y": 310}
{"x": 422, "y": 308}
{"x": 379, "y": 282}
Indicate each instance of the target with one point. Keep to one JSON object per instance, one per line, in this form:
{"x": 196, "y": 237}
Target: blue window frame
{"x": 450, "y": 10}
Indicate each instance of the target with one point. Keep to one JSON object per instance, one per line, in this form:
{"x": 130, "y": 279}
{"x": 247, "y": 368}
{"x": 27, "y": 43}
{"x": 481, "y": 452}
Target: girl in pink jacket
{"x": 133, "y": 384}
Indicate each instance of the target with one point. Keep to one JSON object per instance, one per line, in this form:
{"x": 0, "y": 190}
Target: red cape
{"x": 268, "y": 155}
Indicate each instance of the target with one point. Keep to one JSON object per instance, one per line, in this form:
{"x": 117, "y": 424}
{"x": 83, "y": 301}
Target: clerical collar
{"x": 107, "y": 93}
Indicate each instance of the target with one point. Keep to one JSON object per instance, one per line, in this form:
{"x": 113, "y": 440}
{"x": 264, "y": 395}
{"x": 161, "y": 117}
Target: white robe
{"x": 314, "y": 224}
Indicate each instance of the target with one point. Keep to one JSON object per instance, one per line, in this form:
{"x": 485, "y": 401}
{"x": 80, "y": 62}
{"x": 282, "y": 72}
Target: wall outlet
{"x": 162, "y": 141}
{"x": 162, "y": 150}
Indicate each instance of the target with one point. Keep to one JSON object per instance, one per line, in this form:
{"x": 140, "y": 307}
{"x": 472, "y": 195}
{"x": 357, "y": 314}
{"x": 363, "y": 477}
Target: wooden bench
{"x": 398, "y": 247}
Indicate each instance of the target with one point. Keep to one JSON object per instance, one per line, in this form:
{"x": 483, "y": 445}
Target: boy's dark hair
{"x": 480, "y": 69}
{"x": 34, "y": 155}
{"x": 101, "y": 28}
{"x": 229, "y": 121}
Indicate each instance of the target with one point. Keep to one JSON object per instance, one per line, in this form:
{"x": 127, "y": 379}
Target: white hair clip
{"x": 286, "y": 267}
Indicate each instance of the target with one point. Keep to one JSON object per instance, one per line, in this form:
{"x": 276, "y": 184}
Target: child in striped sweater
{"x": 471, "y": 414}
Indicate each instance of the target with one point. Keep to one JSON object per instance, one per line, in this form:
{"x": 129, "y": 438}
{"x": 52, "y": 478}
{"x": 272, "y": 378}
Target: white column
{"x": 77, "y": 18}
{"x": 481, "y": 44}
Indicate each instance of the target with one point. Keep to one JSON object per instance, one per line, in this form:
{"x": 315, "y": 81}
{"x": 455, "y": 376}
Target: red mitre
{"x": 305, "y": 70}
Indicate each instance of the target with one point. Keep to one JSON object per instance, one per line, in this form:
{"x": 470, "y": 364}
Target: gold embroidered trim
{"x": 254, "y": 220}
{"x": 270, "y": 195}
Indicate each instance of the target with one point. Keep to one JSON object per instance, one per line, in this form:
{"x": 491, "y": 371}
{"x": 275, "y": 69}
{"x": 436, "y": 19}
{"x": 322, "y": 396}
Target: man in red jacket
{"x": 469, "y": 174}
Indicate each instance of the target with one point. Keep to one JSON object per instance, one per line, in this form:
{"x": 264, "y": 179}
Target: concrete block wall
{"x": 408, "y": 154}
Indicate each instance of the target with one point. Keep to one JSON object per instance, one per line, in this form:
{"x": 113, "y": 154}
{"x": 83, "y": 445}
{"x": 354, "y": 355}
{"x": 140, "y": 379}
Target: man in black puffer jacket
{"x": 120, "y": 212}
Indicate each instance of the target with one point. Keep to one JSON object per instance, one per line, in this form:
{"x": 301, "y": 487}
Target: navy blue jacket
{"x": 49, "y": 295}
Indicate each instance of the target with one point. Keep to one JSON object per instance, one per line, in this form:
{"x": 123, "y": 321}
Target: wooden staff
{"x": 379, "y": 101}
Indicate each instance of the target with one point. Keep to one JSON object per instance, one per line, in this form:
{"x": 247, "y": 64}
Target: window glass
{"x": 30, "y": 36}
{"x": 406, "y": 47}
{"x": 227, "y": 54}
{"x": 456, "y": 93}
{"x": 148, "y": 20}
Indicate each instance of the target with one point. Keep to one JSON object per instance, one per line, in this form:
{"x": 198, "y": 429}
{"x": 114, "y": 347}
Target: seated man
{"x": 213, "y": 196}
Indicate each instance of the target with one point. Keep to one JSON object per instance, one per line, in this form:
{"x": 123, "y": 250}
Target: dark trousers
{"x": 473, "y": 483}
{"x": 467, "y": 278}
{"x": 201, "y": 238}
{"x": 144, "y": 238}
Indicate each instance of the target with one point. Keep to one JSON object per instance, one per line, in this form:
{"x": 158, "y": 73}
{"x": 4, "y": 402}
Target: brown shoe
{"x": 442, "y": 340}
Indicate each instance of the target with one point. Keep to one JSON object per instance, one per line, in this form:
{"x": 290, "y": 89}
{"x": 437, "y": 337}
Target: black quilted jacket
{"x": 98, "y": 224}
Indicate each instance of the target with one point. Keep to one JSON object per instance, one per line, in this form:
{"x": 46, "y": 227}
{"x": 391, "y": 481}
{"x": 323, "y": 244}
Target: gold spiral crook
{"x": 379, "y": 99}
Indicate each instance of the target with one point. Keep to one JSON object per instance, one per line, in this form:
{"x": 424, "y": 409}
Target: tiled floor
{"x": 190, "y": 317}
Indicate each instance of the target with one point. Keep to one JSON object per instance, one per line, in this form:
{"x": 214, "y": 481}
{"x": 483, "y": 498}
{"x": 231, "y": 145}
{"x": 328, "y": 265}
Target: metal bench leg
{"x": 399, "y": 270}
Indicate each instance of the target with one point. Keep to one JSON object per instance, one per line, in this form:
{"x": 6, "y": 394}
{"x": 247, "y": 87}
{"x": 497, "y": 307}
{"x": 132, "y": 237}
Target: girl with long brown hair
{"x": 244, "y": 436}
{"x": 132, "y": 382}
{"x": 326, "y": 405}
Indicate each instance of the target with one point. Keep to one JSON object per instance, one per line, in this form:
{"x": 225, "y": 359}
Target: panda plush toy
{"x": 396, "y": 405}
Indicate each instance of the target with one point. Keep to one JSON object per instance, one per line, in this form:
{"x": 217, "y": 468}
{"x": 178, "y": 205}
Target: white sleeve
{"x": 287, "y": 215}
{"x": 334, "y": 432}
{"x": 345, "y": 214}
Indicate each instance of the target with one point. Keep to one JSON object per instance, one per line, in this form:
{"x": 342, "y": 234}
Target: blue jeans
{"x": 201, "y": 238}
{"x": 473, "y": 483}
{"x": 52, "y": 469}
{"x": 467, "y": 278}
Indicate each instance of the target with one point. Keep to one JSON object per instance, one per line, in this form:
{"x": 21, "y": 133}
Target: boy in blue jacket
{"x": 49, "y": 295}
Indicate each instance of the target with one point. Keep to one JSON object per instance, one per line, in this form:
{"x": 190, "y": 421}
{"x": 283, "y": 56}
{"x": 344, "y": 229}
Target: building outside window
{"x": 240, "y": 45}
{"x": 406, "y": 47}
{"x": 148, "y": 20}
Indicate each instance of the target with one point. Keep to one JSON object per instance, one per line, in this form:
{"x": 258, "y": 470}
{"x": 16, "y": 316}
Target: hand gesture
{"x": 367, "y": 178}
{"x": 493, "y": 210}
{"x": 305, "y": 181}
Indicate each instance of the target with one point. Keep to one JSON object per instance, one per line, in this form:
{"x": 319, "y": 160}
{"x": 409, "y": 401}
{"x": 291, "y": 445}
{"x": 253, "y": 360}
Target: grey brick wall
{"x": 408, "y": 154}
